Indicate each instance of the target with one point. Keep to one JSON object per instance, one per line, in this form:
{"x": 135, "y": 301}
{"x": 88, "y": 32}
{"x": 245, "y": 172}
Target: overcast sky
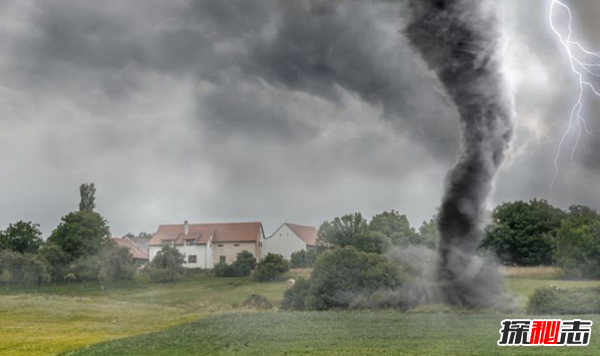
{"x": 269, "y": 110}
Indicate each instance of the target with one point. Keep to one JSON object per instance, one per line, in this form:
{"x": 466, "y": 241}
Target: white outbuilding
{"x": 290, "y": 238}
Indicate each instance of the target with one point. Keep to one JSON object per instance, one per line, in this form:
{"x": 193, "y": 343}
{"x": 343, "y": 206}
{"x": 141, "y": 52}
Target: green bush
{"x": 551, "y": 300}
{"x": 304, "y": 259}
{"x": 244, "y": 264}
{"x": 242, "y": 267}
{"x": 295, "y": 298}
{"x": 168, "y": 259}
{"x": 342, "y": 274}
{"x": 271, "y": 268}
{"x": 346, "y": 278}
{"x": 222, "y": 269}
{"x": 15, "y": 263}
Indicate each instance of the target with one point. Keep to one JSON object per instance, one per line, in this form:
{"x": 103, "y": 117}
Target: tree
{"x": 241, "y": 267}
{"x": 14, "y": 262}
{"x": 395, "y": 227}
{"x": 22, "y": 237}
{"x": 271, "y": 268}
{"x": 577, "y": 248}
{"x": 57, "y": 260}
{"x": 304, "y": 259}
{"x": 582, "y": 215}
{"x": 87, "y": 268}
{"x": 167, "y": 264}
{"x": 81, "y": 233}
{"x": 36, "y": 271}
{"x": 88, "y": 197}
{"x": 522, "y": 232}
{"x": 3, "y": 241}
{"x": 244, "y": 264}
{"x": 352, "y": 230}
{"x": 117, "y": 263}
{"x": 429, "y": 233}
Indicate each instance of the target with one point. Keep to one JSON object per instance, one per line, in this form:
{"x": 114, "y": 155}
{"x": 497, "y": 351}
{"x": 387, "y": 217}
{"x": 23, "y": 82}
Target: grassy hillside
{"x": 331, "y": 333}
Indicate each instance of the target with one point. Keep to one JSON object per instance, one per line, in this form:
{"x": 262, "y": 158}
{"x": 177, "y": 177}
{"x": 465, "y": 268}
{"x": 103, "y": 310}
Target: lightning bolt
{"x": 583, "y": 63}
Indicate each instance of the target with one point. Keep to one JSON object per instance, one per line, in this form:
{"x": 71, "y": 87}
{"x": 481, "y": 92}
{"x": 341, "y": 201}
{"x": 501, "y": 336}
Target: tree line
{"x": 79, "y": 249}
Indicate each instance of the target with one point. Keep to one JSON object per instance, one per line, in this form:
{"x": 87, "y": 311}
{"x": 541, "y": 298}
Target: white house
{"x": 290, "y": 238}
{"x": 204, "y": 245}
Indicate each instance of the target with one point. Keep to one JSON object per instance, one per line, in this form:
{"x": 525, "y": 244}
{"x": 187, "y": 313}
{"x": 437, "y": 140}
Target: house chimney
{"x": 186, "y": 228}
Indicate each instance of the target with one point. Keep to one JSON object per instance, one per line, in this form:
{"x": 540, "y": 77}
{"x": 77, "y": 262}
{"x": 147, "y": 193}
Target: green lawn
{"x": 332, "y": 333}
{"x": 62, "y": 318}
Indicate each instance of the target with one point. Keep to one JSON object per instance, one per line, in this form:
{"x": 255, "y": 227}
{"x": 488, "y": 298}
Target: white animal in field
{"x": 290, "y": 283}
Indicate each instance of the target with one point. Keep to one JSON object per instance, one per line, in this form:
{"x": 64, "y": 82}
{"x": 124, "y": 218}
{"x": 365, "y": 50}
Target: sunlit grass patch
{"x": 46, "y": 325}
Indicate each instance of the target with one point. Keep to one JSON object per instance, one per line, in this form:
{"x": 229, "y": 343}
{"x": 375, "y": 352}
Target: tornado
{"x": 460, "y": 42}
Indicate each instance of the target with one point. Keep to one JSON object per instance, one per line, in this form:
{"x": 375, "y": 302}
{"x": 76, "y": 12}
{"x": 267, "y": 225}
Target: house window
{"x": 192, "y": 259}
{"x": 260, "y": 244}
{"x": 236, "y": 245}
{"x": 220, "y": 245}
{"x": 222, "y": 259}
{"x": 189, "y": 242}
{"x": 167, "y": 242}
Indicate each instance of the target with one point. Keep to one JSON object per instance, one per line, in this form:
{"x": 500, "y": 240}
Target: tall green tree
{"x": 167, "y": 264}
{"x": 36, "y": 271}
{"x": 80, "y": 233}
{"x": 22, "y": 237}
{"x": 429, "y": 233}
{"x": 577, "y": 243}
{"x": 353, "y": 230}
{"x": 522, "y": 233}
{"x": 88, "y": 197}
{"x": 58, "y": 260}
{"x": 395, "y": 227}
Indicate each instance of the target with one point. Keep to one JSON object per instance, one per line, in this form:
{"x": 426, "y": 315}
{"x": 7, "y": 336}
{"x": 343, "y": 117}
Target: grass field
{"x": 61, "y": 319}
{"x": 331, "y": 333}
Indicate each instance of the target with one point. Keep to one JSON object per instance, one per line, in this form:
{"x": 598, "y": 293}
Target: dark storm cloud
{"x": 264, "y": 109}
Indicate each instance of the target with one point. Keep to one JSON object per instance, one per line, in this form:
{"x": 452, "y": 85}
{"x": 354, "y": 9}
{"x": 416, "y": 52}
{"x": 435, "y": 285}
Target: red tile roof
{"x": 136, "y": 251}
{"x": 308, "y": 234}
{"x": 201, "y": 233}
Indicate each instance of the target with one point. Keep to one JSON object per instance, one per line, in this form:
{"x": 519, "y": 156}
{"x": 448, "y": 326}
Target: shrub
{"x": 86, "y": 268}
{"x": 13, "y": 262}
{"x": 343, "y": 276}
{"x": 167, "y": 265}
{"x": 242, "y": 267}
{"x": 257, "y": 301}
{"x": 271, "y": 268}
{"x": 295, "y": 298}
{"x": 222, "y": 269}
{"x": 36, "y": 271}
{"x": 118, "y": 263}
{"x": 564, "y": 301}
{"x": 304, "y": 259}
{"x": 244, "y": 264}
